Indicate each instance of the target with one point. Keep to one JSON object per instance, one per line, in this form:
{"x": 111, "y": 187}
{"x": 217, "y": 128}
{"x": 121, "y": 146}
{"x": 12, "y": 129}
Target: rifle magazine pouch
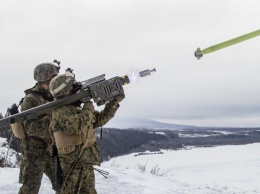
{"x": 18, "y": 130}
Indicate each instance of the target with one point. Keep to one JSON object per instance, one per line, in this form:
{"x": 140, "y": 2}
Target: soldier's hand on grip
{"x": 119, "y": 97}
{"x": 89, "y": 106}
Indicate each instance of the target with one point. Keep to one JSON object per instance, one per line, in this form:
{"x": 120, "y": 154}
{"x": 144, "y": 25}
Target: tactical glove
{"x": 115, "y": 102}
{"x": 89, "y": 106}
{"x": 119, "y": 97}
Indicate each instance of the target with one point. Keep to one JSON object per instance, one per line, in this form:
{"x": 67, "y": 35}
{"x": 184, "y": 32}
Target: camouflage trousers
{"x": 36, "y": 161}
{"x": 80, "y": 181}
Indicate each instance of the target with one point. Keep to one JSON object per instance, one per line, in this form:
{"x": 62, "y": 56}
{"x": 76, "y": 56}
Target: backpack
{"x": 18, "y": 127}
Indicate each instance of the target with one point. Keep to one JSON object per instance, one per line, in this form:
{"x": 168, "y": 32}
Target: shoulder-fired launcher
{"x": 97, "y": 89}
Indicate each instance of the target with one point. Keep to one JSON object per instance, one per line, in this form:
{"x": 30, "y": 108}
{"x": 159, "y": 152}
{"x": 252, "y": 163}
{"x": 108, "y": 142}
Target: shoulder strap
{"x": 45, "y": 97}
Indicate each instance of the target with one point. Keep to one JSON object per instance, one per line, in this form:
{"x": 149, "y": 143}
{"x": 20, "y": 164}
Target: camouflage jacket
{"x": 72, "y": 120}
{"x": 39, "y": 128}
{"x": 65, "y": 118}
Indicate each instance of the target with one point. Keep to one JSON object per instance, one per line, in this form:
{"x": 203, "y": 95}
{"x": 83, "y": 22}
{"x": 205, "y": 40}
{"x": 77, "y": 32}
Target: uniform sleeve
{"x": 102, "y": 117}
{"x": 69, "y": 121}
{"x": 34, "y": 127}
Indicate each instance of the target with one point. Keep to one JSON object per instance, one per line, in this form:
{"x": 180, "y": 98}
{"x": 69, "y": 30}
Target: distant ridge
{"x": 137, "y": 123}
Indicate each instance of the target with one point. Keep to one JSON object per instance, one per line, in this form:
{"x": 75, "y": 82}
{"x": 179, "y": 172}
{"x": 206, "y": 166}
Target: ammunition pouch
{"x": 66, "y": 143}
{"x": 18, "y": 130}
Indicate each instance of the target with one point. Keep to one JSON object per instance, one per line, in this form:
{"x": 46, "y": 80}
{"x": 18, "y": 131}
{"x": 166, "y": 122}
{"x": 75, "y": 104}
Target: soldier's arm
{"x": 102, "y": 117}
{"x": 34, "y": 127}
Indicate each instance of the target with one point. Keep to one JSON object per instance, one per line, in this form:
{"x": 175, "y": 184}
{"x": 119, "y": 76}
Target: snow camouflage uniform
{"x": 73, "y": 120}
{"x": 36, "y": 145}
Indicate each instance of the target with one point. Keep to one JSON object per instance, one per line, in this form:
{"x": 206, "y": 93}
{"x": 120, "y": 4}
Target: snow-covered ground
{"x": 215, "y": 170}
{"x": 7, "y": 155}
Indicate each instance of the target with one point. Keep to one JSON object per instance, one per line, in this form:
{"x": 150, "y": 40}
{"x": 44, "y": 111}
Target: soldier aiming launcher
{"x": 98, "y": 88}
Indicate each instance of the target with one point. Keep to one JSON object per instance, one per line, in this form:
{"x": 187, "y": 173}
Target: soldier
{"x": 73, "y": 132}
{"x": 35, "y": 146}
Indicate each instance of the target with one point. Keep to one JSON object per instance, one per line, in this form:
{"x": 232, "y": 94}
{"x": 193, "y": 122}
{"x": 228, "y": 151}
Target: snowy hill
{"x": 137, "y": 123}
{"x": 213, "y": 170}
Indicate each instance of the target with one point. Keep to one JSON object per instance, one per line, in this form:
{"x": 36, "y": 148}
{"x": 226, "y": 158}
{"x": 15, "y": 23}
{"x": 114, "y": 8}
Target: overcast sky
{"x": 115, "y": 37}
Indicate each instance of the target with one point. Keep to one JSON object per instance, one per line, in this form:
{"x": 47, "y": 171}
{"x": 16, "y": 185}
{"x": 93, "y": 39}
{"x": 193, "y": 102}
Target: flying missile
{"x": 199, "y": 53}
{"x": 146, "y": 72}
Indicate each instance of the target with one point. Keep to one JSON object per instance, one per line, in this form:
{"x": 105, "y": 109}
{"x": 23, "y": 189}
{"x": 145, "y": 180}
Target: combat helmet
{"x": 62, "y": 84}
{"x": 44, "y": 71}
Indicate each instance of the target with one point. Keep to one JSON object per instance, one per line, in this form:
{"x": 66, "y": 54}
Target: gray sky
{"x": 115, "y": 37}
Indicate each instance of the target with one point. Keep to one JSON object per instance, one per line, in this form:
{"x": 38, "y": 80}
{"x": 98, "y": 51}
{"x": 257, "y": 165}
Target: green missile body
{"x": 198, "y": 53}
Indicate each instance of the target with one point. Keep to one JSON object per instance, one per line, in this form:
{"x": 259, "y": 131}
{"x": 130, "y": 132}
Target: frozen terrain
{"x": 212, "y": 170}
